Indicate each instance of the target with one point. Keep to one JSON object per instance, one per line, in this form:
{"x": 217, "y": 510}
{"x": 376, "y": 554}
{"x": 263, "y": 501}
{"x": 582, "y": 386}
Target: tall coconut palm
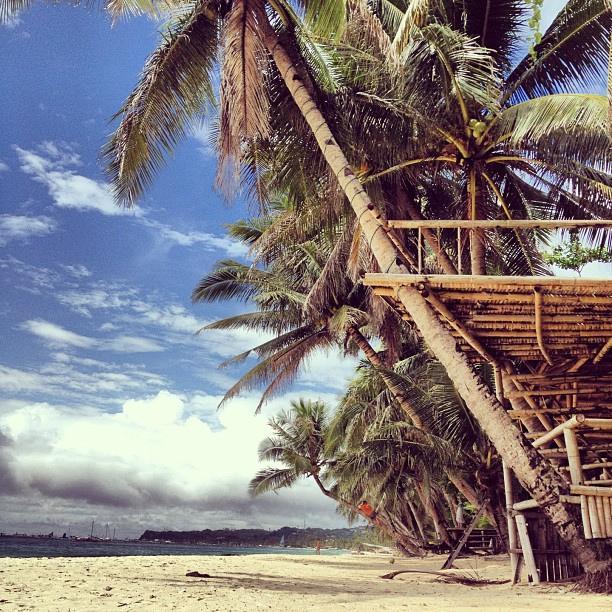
{"x": 511, "y": 139}
{"x": 281, "y": 292}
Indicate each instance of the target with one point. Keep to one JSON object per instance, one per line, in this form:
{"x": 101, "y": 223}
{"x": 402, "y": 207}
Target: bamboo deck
{"x": 549, "y": 340}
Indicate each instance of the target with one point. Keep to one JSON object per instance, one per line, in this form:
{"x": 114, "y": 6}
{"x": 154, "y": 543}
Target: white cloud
{"x": 54, "y": 335}
{"x": 78, "y": 270}
{"x": 20, "y": 227}
{"x": 65, "y": 377}
{"x": 131, "y": 344}
{"x": 157, "y": 453}
{"x": 4, "y": 166}
{"x": 38, "y": 279}
{"x": 53, "y": 165}
{"x": 210, "y": 242}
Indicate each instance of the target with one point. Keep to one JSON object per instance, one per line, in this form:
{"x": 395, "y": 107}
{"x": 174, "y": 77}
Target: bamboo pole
{"x": 596, "y": 466}
{"x": 557, "y": 431}
{"x": 608, "y": 515}
{"x": 537, "y": 295}
{"x": 541, "y": 417}
{"x": 553, "y": 392}
{"x": 591, "y": 491}
{"x": 530, "y": 563}
{"x": 602, "y": 352}
{"x": 499, "y": 224}
{"x": 573, "y": 456}
{"x": 470, "y": 282}
{"x": 457, "y": 325}
{"x": 512, "y": 533}
{"x": 530, "y": 504}
{"x": 586, "y": 517}
{"x": 595, "y": 526}
{"x": 605, "y": 424}
{"x": 560, "y": 452}
{"x": 601, "y": 516}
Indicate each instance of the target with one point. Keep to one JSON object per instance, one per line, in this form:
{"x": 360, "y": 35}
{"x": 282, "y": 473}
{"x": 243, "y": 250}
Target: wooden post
{"x": 420, "y": 252}
{"x": 512, "y": 535}
{"x": 464, "y": 538}
{"x": 530, "y": 564}
{"x": 595, "y": 526}
{"x": 601, "y": 516}
{"x": 586, "y": 518}
{"x": 573, "y": 456}
{"x": 608, "y": 515}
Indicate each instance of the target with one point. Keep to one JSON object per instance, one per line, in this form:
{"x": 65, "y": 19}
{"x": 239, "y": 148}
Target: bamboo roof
{"x": 574, "y": 315}
{"x": 550, "y": 336}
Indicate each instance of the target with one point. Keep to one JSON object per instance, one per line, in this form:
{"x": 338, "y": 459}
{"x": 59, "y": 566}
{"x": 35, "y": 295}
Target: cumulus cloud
{"x": 203, "y": 239}
{"x": 54, "y": 165}
{"x": 22, "y": 227}
{"x": 4, "y": 166}
{"x": 76, "y": 378}
{"x": 156, "y": 454}
{"x": 55, "y": 335}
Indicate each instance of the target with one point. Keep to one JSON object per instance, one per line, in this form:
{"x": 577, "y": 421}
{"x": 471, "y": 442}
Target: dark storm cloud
{"x": 8, "y": 479}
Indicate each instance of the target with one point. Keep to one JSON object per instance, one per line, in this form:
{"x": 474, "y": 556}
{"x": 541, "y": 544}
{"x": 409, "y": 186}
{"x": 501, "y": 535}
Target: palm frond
{"x": 9, "y": 9}
{"x": 174, "y": 87}
{"x": 243, "y": 97}
{"x": 272, "y": 479}
{"x": 572, "y": 125}
{"x": 573, "y": 53}
{"x": 326, "y": 18}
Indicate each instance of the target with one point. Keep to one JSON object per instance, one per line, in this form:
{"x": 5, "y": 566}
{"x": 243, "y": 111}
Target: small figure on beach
{"x": 459, "y": 516}
{"x": 366, "y": 509}
{"x": 318, "y": 547}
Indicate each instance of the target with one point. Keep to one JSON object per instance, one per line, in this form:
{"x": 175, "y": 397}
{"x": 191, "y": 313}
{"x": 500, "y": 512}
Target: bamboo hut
{"x": 549, "y": 341}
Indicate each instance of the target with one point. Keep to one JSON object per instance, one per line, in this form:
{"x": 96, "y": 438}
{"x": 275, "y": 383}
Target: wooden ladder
{"x": 464, "y": 538}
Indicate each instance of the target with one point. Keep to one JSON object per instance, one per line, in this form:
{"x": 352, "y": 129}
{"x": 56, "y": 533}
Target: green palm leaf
{"x": 175, "y": 85}
{"x": 573, "y": 52}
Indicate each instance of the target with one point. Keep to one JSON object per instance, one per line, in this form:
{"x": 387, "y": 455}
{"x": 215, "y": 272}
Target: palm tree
{"x": 281, "y": 293}
{"x": 508, "y": 138}
{"x": 379, "y": 455}
{"x": 298, "y": 445}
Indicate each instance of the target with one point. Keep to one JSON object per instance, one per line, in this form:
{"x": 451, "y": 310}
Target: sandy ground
{"x": 268, "y": 582}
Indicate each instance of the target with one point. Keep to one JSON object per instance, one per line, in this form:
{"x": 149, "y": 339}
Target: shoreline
{"x": 269, "y": 582}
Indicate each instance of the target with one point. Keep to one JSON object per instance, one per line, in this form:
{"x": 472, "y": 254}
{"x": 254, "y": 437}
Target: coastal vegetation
{"x": 334, "y": 117}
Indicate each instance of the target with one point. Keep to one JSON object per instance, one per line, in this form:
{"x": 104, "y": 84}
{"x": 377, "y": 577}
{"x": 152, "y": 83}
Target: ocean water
{"x": 48, "y": 547}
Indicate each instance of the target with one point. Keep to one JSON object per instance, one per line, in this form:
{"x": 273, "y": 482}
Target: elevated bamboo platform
{"x": 549, "y": 340}
{"x": 529, "y": 317}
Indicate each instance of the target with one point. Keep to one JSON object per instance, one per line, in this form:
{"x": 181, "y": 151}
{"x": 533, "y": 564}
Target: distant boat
{"x": 282, "y": 541}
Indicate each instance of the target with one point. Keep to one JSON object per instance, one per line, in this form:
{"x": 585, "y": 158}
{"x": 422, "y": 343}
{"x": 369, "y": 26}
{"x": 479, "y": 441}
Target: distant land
{"x": 287, "y": 536}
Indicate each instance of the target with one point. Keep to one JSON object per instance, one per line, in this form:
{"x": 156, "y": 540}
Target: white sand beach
{"x": 268, "y": 582}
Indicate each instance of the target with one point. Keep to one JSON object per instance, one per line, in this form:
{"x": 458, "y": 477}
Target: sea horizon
{"x": 35, "y": 547}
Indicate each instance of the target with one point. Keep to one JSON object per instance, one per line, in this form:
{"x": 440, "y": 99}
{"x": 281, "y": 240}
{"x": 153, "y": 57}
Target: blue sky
{"x": 107, "y": 399}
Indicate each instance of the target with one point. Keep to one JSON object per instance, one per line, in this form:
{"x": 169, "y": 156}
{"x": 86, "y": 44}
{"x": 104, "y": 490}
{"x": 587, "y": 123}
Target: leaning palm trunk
{"x": 429, "y": 505}
{"x": 535, "y": 473}
{"x": 405, "y": 542}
